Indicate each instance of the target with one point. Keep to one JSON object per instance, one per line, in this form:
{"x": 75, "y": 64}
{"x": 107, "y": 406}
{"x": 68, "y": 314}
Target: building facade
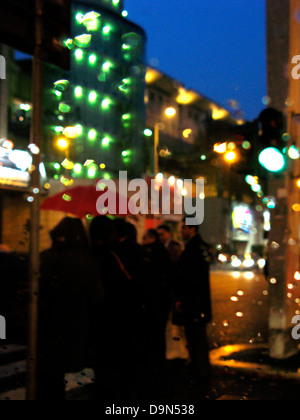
{"x": 104, "y": 100}
{"x": 283, "y": 32}
{"x": 188, "y": 125}
{"x": 100, "y": 102}
{"x": 278, "y": 38}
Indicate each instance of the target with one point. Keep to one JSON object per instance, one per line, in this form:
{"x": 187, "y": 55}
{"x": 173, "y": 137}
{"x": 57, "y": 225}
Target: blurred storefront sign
{"x": 14, "y": 166}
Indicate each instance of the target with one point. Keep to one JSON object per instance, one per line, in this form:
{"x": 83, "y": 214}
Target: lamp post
{"x": 169, "y": 113}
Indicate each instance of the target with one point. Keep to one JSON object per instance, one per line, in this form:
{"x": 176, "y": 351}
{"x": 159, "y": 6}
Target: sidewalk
{"x": 254, "y": 359}
{"x": 253, "y": 375}
{"x": 239, "y": 372}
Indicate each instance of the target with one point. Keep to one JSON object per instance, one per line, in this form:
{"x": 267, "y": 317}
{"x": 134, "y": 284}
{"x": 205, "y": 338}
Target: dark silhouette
{"x": 132, "y": 256}
{"x": 71, "y": 299}
{"x": 158, "y": 301}
{"x": 193, "y": 297}
{"x": 13, "y": 296}
{"x": 165, "y": 236}
{"x": 113, "y": 365}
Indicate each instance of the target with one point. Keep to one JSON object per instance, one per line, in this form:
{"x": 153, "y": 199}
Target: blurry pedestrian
{"x": 157, "y": 277}
{"x": 129, "y": 251}
{"x": 194, "y": 297}
{"x": 132, "y": 256}
{"x": 165, "y": 236}
{"x": 71, "y": 298}
{"x": 112, "y": 364}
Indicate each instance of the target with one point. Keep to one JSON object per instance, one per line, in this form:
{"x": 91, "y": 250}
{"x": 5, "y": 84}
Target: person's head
{"x": 188, "y": 232}
{"x": 125, "y": 230}
{"x": 102, "y": 233}
{"x": 150, "y": 237}
{"x": 164, "y": 233}
{"x": 69, "y": 232}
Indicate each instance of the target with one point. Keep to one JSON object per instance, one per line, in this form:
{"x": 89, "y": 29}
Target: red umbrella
{"x": 82, "y": 201}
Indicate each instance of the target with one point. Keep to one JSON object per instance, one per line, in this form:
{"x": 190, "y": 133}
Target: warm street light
{"x": 170, "y": 113}
{"x": 220, "y": 148}
{"x": 63, "y": 144}
{"x": 231, "y": 157}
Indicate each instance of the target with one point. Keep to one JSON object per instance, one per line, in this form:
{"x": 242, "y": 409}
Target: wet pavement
{"x": 241, "y": 367}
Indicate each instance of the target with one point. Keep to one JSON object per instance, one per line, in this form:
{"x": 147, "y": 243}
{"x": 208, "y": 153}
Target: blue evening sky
{"x": 216, "y": 47}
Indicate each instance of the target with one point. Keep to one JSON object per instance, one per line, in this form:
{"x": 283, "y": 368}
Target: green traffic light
{"x": 272, "y": 159}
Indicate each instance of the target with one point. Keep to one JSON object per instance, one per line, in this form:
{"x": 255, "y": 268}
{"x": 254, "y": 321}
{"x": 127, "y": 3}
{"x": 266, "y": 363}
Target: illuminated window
{"x": 106, "y": 141}
{"x": 92, "y": 59}
{"x": 79, "y": 54}
{"x": 78, "y": 91}
{"x": 106, "y": 103}
{"x": 92, "y": 134}
{"x": 93, "y": 97}
{"x": 107, "y": 29}
{"x": 21, "y": 112}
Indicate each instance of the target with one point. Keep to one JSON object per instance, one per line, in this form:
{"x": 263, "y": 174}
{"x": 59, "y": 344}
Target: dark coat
{"x": 174, "y": 249}
{"x": 158, "y": 271}
{"x": 71, "y": 298}
{"x": 193, "y": 281}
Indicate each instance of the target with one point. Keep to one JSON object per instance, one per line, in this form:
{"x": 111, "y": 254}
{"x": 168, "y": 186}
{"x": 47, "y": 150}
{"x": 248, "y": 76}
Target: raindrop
{"x": 266, "y": 100}
{"x": 34, "y": 149}
{"x": 297, "y": 276}
{"x": 289, "y": 102}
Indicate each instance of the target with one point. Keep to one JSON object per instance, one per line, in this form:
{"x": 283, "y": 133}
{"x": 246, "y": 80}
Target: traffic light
{"x": 270, "y": 140}
{"x": 272, "y": 128}
{"x": 18, "y": 24}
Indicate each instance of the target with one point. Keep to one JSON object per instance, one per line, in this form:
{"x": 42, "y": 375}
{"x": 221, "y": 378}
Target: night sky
{"x": 216, "y": 47}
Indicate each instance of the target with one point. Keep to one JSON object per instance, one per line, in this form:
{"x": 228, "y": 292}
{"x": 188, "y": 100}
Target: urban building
{"x": 94, "y": 117}
{"x": 188, "y": 126}
{"x": 278, "y": 39}
{"x": 283, "y": 34}
{"x": 104, "y": 100}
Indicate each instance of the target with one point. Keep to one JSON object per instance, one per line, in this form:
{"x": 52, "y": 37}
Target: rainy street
{"x": 149, "y": 201}
{"x": 240, "y": 308}
{"x": 240, "y": 316}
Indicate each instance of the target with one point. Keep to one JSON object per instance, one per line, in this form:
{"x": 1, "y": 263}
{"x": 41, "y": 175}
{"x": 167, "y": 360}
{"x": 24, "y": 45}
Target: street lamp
{"x": 230, "y": 157}
{"x": 169, "y": 113}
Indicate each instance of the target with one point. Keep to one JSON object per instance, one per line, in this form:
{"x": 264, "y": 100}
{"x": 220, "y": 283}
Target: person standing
{"x": 157, "y": 277}
{"x": 165, "y": 236}
{"x": 113, "y": 352}
{"x": 193, "y": 297}
{"x": 70, "y": 304}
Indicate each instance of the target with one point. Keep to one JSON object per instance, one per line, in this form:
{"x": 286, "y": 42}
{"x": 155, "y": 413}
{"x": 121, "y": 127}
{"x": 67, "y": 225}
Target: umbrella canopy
{"x": 82, "y": 201}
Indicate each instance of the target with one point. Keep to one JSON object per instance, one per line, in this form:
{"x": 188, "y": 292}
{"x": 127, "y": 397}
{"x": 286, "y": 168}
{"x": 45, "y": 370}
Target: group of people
{"x": 105, "y": 301}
